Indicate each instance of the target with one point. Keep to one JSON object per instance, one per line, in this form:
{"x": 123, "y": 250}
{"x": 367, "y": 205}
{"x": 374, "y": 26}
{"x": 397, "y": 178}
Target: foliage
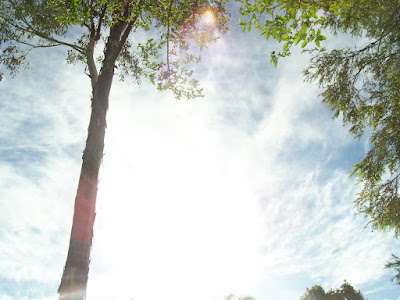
{"x": 26, "y": 25}
{"x": 14, "y": 35}
{"x": 359, "y": 84}
{"x": 362, "y": 85}
{"x": 395, "y": 265}
{"x": 346, "y": 292}
{"x": 290, "y": 21}
{"x": 81, "y": 25}
{"x": 232, "y": 297}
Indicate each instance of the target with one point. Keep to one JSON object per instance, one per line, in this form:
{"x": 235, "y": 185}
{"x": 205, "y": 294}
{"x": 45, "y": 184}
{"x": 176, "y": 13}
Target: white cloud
{"x": 230, "y": 193}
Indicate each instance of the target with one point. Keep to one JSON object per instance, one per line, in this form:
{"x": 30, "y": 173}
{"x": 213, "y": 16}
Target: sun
{"x": 208, "y": 17}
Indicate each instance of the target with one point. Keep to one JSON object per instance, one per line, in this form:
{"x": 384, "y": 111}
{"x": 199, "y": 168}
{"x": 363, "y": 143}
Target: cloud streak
{"x": 243, "y": 191}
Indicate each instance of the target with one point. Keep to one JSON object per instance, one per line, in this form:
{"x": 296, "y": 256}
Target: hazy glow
{"x": 182, "y": 230}
{"x": 208, "y": 17}
{"x": 245, "y": 191}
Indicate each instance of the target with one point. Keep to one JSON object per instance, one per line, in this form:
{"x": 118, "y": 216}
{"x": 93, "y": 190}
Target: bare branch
{"x": 90, "y": 60}
{"x": 38, "y": 46}
{"x": 33, "y": 31}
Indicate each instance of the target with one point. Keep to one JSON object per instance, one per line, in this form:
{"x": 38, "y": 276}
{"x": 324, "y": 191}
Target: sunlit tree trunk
{"x": 43, "y": 24}
{"x": 75, "y": 275}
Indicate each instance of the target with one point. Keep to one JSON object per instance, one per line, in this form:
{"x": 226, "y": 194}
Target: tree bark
{"x": 75, "y": 275}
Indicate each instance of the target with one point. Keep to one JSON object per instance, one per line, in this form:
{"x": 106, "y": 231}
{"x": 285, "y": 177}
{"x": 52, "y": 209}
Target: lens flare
{"x": 208, "y": 17}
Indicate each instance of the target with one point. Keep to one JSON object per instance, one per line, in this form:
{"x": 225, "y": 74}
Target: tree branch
{"x": 123, "y": 38}
{"x": 168, "y": 29}
{"x": 33, "y": 31}
{"x": 100, "y": 23}
{"x": 126, "y": 32}
{"x": 90, "y": 61}
{"x": 90, "y": 49}
{"x": 37, "y": 46}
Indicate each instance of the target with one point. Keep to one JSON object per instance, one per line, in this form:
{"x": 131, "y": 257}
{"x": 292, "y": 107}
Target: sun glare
{"x": 208, "y": 17}
{"x": 183, "y": 236}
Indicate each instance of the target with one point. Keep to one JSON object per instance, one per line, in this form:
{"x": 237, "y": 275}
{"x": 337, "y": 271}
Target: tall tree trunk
{"x": 75, "y": 275}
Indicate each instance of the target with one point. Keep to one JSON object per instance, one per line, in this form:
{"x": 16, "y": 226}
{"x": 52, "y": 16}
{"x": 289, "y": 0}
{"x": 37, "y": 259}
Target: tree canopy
{"x": 233, "y": 297}
{"x": 394, "y": 264}
{"x": 175, "y": 32}
{"x": 346, "y": 292}
{"x": 360, "y": 84}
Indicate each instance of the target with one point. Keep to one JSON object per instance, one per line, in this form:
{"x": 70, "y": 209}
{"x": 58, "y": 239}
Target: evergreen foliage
{"x": 346, "y": 292}
{"x": 360, "y": 84}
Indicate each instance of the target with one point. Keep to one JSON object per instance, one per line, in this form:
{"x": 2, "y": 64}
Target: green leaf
{"x": 317, "y": 43}
{"x": 312, "y": 11}
{"x": 304, "y": 44}
{"x": 303, "y": 28}
{"x": 264, "y": 30}
{"x": 285, "y": 37}
{"x": 297, "y": 40}
{"x": 285, "y": 46}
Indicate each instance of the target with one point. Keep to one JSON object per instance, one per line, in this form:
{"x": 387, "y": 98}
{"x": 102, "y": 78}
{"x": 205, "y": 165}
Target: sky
{"x": 244, "y": 191}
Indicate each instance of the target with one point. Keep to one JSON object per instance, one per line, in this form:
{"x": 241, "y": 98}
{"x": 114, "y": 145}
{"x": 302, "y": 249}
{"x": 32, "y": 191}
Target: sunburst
{"x": 208, "y": 17}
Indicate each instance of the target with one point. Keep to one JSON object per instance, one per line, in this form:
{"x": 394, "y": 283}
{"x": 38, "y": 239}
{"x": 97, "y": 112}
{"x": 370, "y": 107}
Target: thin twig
{"x": 169, "y": 16}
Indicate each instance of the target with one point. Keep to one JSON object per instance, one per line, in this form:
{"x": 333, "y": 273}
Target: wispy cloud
{"x": 242, "y": 191}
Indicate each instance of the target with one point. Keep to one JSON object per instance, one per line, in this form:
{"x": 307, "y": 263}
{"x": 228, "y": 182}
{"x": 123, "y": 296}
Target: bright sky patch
{"x": 208, "y": 17}
{"x": 244, "y": 191}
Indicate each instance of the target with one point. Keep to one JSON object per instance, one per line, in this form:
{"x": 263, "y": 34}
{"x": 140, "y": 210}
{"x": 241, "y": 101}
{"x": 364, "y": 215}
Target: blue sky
{"x": 244, "y": 191}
